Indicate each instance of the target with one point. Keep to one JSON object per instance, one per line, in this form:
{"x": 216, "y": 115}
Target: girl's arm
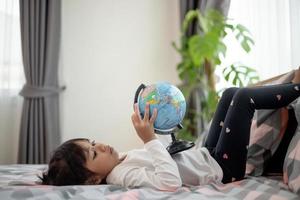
{"x": 166, "y": 175}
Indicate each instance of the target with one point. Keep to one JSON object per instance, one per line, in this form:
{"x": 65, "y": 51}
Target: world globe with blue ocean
{"x": 169, "y": 102}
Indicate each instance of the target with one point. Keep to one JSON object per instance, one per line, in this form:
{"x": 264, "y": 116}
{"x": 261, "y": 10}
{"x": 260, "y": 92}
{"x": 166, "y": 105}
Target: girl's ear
{"x": 93, "y": 180}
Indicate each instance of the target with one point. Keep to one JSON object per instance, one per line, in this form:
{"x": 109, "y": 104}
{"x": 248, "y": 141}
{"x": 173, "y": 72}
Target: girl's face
{"x": 100, "y": 158}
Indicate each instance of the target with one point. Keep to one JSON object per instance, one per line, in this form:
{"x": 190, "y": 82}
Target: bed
{"x": 21, "y": 182}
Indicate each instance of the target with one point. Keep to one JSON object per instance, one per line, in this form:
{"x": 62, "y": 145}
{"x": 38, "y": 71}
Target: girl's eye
{"x": 93, "y": 143}
{"x": 95, "y": 154}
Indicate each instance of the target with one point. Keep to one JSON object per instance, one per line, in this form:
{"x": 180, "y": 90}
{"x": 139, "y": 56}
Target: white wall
{"x": 108, "y": 48}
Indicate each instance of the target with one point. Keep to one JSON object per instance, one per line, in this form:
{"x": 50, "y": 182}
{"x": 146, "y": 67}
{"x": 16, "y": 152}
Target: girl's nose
{"x": 101, "y": 147}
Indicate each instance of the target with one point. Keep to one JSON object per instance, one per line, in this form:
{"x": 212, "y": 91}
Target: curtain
{"x": 193, "y": 103}
{"x": 40, "y": 37}
{"x": 294, "y": 7}
{"x": 202, "y": 5}
{"x": 11, "y": 80}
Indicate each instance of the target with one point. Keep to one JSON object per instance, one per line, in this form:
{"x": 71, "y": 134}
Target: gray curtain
{"x": 193, "y": 104}
{"x": 40, "y": 37}
{"x": 202, "y": 5}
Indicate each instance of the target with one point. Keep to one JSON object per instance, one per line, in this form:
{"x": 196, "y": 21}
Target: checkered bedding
{"x": 20, "y": 182}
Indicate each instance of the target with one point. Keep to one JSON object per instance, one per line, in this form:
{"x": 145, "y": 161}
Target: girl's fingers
{"x": 146, "y": 116}
{"x": 137, "y": 111}
{"x": 154, "y": 115}
{"x": 133, "y": 118}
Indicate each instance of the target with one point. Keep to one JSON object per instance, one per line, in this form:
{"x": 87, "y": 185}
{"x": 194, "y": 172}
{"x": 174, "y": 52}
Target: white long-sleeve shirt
{"x": 154, "y": 167}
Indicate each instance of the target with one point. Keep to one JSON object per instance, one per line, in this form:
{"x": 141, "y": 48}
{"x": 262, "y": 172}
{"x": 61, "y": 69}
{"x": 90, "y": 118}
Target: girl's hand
{"x": 144, "y": 127}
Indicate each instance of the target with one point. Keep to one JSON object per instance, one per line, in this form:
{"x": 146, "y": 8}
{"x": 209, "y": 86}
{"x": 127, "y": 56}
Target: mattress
{"x": 21, "y": 182}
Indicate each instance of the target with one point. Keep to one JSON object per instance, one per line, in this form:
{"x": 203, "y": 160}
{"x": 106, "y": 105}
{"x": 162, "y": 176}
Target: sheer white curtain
{"x": 11, "y": 80}
{"x": 274, "y": 25}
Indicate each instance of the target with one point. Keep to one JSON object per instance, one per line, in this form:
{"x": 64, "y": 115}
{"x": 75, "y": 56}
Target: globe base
{"x": 179, "y": 145}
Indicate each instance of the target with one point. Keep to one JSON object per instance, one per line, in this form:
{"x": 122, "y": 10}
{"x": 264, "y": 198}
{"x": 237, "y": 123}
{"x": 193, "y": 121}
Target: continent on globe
{"x": 169, "y": 102}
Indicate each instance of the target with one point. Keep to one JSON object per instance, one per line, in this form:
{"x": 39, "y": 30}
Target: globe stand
{"x": 177, "y": 146}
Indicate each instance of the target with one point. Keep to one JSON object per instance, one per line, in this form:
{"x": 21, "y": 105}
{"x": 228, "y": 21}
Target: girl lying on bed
{"x": 222, "y": 159}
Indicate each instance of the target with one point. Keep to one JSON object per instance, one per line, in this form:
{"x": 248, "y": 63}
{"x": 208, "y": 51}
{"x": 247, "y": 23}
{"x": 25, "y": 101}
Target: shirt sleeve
{"x": 165, "y": 175}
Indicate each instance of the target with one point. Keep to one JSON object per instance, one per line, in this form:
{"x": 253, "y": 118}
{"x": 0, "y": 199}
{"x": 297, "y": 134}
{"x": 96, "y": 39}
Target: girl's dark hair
{"x": 67, "y": 165}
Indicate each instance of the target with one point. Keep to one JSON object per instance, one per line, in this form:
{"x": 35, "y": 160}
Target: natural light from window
{"x": 269, "y": 24}
{"x": 11, "y": 70}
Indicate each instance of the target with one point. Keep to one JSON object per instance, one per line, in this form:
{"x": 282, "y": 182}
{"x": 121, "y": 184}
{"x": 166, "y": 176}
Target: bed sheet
{"x": 20, "y": 182}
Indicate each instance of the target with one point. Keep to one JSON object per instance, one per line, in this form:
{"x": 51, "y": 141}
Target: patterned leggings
{"x": 228, "y": 137}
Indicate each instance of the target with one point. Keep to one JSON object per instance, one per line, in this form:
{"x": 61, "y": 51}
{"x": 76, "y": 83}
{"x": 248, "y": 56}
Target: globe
{"x": 169, "y": 102}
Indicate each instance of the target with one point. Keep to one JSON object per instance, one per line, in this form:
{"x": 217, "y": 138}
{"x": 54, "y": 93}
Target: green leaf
{"x": 242, "y": 28}
{"x": 245, "y": 46}
{"x": 235, "y": 80}
{"x": 217, "y": 61}
{"x": 242, "y": 75}
{"x": 200, "y": 48}
{"x": 227, "y": 76}
{"x": 238, "y": 36}
{"x": 249, "y": 40}
{"x": 231, "y": 27}
{"x": 203, "y": 23}
{"x": 222, "y": 49}
{"x": 176, "y": 47}
{"x": 189, "y": 17}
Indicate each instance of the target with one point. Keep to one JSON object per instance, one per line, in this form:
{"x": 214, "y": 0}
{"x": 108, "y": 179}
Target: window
{"x": 11, "y": 80}
{"x": 11, "y": 69}
{"x": 273, "y": 25}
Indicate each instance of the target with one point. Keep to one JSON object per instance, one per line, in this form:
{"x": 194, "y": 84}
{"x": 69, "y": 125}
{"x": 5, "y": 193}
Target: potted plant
{"x": 201, "y": 53}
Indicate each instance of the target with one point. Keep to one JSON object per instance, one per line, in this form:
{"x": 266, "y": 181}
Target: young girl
{"x": 223, "y": 159}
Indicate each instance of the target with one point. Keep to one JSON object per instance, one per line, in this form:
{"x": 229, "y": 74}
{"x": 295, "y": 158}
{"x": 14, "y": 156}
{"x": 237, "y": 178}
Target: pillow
{"x": 267, "y": 130}
{"x": 291, "y": 165}
{"x": 265, "y": 137}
